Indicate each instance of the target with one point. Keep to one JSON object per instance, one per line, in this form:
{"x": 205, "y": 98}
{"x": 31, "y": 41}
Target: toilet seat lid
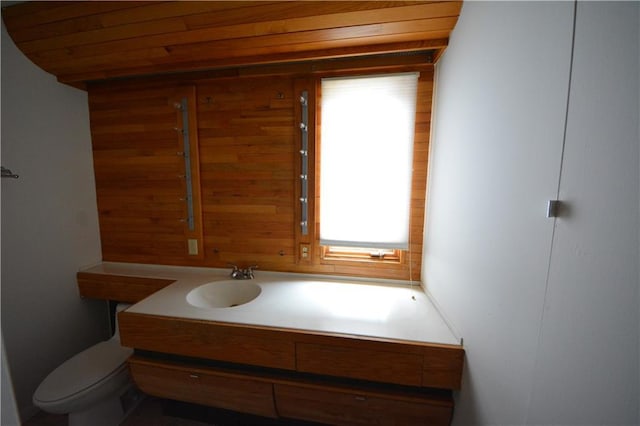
{"x": 82, "y": 371}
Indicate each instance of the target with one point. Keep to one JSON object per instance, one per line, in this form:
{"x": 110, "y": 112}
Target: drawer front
{"x": 443, "y": 368}
{"x": 117, "y": 287}
{"x": 339, "y": 407}
{"x": 206, "y": 340}
{"x": 205, "y": 388}
{"x": 380, "y": 366}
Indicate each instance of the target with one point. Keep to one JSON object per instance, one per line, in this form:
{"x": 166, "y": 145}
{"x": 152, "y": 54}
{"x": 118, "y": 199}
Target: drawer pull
{"x": 194, "y": 376}
{"x": 360, "y": 398}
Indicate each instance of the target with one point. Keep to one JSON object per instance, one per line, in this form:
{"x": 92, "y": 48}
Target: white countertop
{"x": 372, "y": 308}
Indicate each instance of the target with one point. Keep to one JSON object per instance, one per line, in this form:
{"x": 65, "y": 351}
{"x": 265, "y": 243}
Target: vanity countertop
{"x": 358, "y": 307}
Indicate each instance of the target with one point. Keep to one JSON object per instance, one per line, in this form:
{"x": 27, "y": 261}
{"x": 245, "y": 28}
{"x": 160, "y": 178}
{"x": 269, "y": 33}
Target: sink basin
{"x": 223, "y": 294}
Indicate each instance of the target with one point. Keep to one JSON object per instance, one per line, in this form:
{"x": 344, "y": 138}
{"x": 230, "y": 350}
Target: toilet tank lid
{"x": 82, "y": 371}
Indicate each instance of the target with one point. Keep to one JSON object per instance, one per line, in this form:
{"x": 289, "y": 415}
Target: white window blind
{"x": 366, "y": 153}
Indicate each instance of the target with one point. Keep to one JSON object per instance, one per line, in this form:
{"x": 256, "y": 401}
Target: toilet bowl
{"x": 89, "y": 386}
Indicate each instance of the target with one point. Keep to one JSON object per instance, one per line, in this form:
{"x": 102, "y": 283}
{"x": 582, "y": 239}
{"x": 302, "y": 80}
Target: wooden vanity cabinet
{"x": 278, "y": 394}
{"x": 329, "y": 378}
{"x": 319, "y": 377}
{"x": 385, "y": 361}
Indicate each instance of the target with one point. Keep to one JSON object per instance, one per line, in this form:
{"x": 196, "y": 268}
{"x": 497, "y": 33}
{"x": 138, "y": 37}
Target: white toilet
{"x": 89, "y": 386}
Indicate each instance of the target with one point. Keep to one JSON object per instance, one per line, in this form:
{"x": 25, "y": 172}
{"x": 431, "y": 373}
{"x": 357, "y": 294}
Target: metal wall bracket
{"x": 553, "y": 208}
{"x": 304, "y": 158}
{"x": 183, "y": 106}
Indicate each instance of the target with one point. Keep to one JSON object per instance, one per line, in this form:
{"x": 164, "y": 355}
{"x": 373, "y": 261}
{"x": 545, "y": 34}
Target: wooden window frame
{"x": 312, "y": 257}
{"x": 360, "y": 254}
{"x": 401, "y": 263}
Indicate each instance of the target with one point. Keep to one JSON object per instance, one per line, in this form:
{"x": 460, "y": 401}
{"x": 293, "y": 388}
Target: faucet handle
{"x": 248, "y": 272}
{"x": 235, "y": 272}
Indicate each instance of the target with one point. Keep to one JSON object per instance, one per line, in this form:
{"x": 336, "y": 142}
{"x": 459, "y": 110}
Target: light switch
{"x": 193, "y": 246}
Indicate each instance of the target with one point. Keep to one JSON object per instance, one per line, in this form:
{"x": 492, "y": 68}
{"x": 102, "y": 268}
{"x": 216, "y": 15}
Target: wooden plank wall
{"x": 89, "y": 40}
{"x": 247, "y": 130}
{"x": 139, "y": 174}
{"x": 248, "y": 147}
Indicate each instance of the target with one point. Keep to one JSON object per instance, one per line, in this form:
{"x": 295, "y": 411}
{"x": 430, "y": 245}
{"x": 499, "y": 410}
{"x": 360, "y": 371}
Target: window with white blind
{"x": 366, "y": 149}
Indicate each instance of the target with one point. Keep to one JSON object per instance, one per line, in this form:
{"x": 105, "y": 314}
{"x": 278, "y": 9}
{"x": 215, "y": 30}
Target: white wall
{"x": 587, "y": 366}
{"x": 49, "y": 223}
{"x": 548, "y": 340}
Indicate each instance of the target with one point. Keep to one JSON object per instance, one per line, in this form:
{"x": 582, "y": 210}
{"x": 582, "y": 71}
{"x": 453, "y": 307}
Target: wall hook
{"x": 6, "y": 173}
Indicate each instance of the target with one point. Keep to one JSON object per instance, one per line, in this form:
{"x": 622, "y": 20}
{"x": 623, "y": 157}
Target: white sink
{"x": 223, "y": 294}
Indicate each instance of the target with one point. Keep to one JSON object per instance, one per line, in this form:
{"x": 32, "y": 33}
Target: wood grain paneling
{"x": 246, "y": 203}
{"x": 118, "y": 287}
{"x": 225, "y": 390}
{"x": 140, "y": 173}
{"x": 83, "y": 41}
{"x": 347, "y": 407}
{"x": 378, "y": 360}
{"x": 357, "y": 363}
{"x": 401, "y": 362}
{"x": 442, "y": 368}
{"x": 248, "y": 163}
{"x": 202, "y": 339}
{"x": 278, "y": 394}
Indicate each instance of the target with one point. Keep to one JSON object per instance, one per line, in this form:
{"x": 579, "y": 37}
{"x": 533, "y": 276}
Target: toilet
{"x": 90, "y": 387}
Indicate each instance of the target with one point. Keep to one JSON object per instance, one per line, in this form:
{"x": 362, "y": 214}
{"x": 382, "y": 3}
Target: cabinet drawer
{"x": 354, "y": 407}
{"x": 443, "y": 368}
{"x": 205, "y": 387}
{"x": 207, "y": 340}
{"x": 365, "y": 364}
{"x": 118, "y": 287}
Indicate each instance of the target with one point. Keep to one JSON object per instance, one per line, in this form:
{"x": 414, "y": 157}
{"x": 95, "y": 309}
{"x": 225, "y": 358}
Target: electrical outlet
{"x": 193, "y": 246}
{"x": 305, "y": 252}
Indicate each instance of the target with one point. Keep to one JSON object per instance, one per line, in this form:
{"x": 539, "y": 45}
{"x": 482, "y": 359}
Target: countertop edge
{"x": 185, "y": 273}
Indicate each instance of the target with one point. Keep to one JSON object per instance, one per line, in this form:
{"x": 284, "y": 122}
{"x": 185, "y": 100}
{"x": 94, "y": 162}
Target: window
{"x": 366, "y": 155}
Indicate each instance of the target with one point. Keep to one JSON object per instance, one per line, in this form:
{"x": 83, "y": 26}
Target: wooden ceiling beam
{"x": 355, "y": 52}
{"x": 84, "y": 41}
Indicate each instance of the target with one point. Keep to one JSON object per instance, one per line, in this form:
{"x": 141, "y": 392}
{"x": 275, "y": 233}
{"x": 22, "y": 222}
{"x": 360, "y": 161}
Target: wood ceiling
{"x": 93, "y": 40}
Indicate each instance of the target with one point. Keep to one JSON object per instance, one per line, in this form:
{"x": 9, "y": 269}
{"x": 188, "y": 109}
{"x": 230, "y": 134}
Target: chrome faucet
{"x": 247, "y": 273}
{"x": 242, "y": 274}
{"x": 236, "y": 273}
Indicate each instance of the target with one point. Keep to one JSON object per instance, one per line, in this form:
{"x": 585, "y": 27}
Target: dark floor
{"x": 149, "y": 413}
{"x": 160, "y": 412}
